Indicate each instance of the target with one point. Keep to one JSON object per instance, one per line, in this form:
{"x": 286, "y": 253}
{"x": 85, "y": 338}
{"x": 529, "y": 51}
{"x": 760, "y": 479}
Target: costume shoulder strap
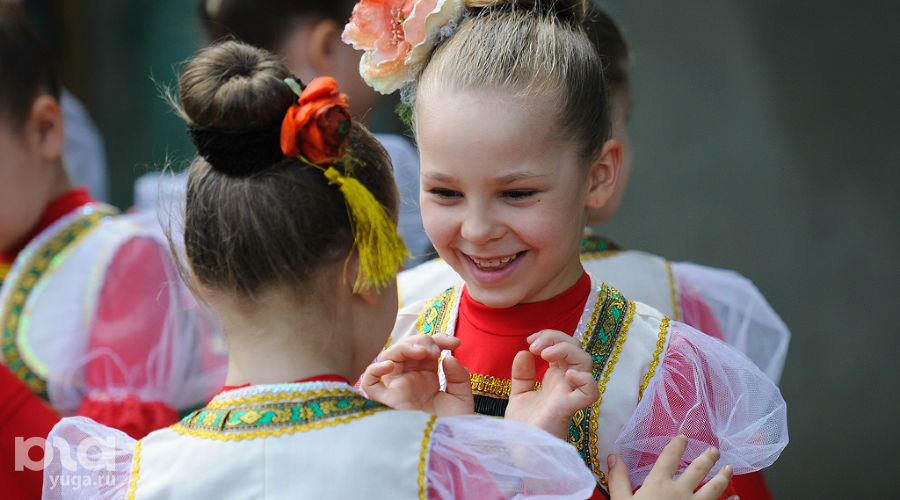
{"x": 435, "y": 317}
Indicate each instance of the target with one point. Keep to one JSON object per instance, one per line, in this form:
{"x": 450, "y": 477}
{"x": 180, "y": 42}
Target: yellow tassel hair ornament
{"x": 381, "y": 251}
{"x": 316, "y": 130}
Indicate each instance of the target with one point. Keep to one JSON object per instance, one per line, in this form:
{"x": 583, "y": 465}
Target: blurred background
{"x": 766, "y": 139}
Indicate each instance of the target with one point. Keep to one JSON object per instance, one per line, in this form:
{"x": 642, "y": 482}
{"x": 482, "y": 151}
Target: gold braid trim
{"x": 673, "y": 290}
{"x": 423, "y": 455}
{"x": 660, "y": 343}
{"x": 610, "y": 365}
{"x": 238, "y": 436}
{"x": 488, "y": 385}
{"x": 135, "y": 470}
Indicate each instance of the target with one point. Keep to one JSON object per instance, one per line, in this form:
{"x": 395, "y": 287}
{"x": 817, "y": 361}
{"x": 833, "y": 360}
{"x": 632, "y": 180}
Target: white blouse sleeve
{"x": 474, "y": 456}
{"x": 714, "y": 395}
{"x": 86, "y": 460}
{"x": 746, "y": 319}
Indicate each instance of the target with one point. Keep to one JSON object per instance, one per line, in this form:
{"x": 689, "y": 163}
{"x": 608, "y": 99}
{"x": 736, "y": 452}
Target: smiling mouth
{"x": 493, "y": 263}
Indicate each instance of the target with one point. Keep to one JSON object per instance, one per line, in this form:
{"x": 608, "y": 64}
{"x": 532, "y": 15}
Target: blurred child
{"x": 94, "y": 320}
{"x": 512, "y": 122}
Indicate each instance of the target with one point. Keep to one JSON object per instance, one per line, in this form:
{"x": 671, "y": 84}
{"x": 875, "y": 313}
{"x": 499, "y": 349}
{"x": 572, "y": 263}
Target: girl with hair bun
{"x": 511, "y": 114}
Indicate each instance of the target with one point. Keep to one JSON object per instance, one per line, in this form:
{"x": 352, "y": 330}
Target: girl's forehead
{"x": 485, "y": 117}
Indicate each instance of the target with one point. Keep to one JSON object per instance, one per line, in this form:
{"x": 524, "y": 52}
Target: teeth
{"x": 492, "y": 263}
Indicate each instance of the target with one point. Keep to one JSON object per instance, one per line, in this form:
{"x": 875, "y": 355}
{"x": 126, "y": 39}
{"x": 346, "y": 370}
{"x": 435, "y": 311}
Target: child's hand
{"x": 568, "y": 384}
{"x": 406, "y": 377}
{"x": 659, "y": 483}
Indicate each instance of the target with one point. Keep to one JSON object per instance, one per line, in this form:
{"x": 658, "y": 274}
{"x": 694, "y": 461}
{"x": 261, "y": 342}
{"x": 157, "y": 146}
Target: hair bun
{"x": 234, "y": 98}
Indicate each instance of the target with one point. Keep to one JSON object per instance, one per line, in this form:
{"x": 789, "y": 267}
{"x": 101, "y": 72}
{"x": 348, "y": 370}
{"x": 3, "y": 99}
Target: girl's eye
{"x": 445, "y": 193}
{"x": 519, "y": 194}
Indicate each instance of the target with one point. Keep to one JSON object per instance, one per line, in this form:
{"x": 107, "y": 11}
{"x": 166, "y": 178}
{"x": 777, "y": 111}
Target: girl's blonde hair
{"x": 537, "y": 49}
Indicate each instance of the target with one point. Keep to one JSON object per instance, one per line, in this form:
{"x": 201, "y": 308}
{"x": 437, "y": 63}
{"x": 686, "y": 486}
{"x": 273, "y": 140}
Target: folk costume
{"x": 96, "y": 322}
{"x": 298, "y": 440}
{"x": 657, "y": 377}
{"x": 718, "y": 302}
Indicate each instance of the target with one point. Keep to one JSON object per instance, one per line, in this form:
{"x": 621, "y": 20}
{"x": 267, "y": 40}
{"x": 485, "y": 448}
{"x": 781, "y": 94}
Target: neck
{"x": 274, "y": 339}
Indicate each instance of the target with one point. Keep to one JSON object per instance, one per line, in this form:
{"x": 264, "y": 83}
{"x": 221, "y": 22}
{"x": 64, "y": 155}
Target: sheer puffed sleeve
{"x": 488, "y": 458}
{"x": 715, "y": 396}
{"x": 744, "y": 317}
{"x": 89, "y": 461}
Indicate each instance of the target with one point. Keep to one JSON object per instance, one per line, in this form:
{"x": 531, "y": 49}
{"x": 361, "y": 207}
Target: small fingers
{"x": 446, "y": 341}
{"x": 717, "y": 485}
{"x": 584, "y": 383}
{"x": 523, "y": 373}
{"x": 694, "y": 474}
{"x": 371, "y": 379}
{"x": 569, "y": 354}
{"x": 457, "y": 378}
{"x": 668, "y": 460}
{"x": 618, "y": 482}
{"x": 414, "y": 350}
{"x": 545, "y": 338}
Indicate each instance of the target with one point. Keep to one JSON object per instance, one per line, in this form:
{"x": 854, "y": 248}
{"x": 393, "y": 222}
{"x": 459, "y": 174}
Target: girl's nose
{"x": 479, "y": 226}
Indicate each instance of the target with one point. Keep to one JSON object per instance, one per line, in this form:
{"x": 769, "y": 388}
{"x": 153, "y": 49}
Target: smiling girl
{"x": 513, "y": 126}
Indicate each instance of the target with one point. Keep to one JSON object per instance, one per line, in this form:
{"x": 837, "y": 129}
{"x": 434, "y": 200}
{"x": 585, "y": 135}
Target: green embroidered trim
{"x": 593, "y": 243}
{"x": 27, "y": 280}
{"x": 434, "y": 318}
{"x": 609, "y": 322}
{"x": 300, "y": 415}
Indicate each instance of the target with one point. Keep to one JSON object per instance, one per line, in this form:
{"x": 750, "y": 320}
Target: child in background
{"x": 719, "y": 302}
{"x": 307, "y": 34}
{"x": 512, "y": 123}
{"x": 280, "y": 239}
{"x": 93, "y": 319}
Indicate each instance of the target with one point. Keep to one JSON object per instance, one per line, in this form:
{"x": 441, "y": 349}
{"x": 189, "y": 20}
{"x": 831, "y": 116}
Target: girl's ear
{"x": 603, "y": 175}
{"x": 322, "y": 43}
{"x": 45, "y": 128}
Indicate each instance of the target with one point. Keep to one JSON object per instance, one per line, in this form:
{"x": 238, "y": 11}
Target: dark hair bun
{"x": 235, "y": 98}
{"x": 234, "y": 87}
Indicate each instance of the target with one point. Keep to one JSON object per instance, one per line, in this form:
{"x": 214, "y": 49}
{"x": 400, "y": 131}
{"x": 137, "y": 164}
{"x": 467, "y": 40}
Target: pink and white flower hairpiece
{"x": 397, "y": 36}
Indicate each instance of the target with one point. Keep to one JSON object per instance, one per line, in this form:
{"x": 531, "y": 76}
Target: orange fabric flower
{"x": 318, "y": 125}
